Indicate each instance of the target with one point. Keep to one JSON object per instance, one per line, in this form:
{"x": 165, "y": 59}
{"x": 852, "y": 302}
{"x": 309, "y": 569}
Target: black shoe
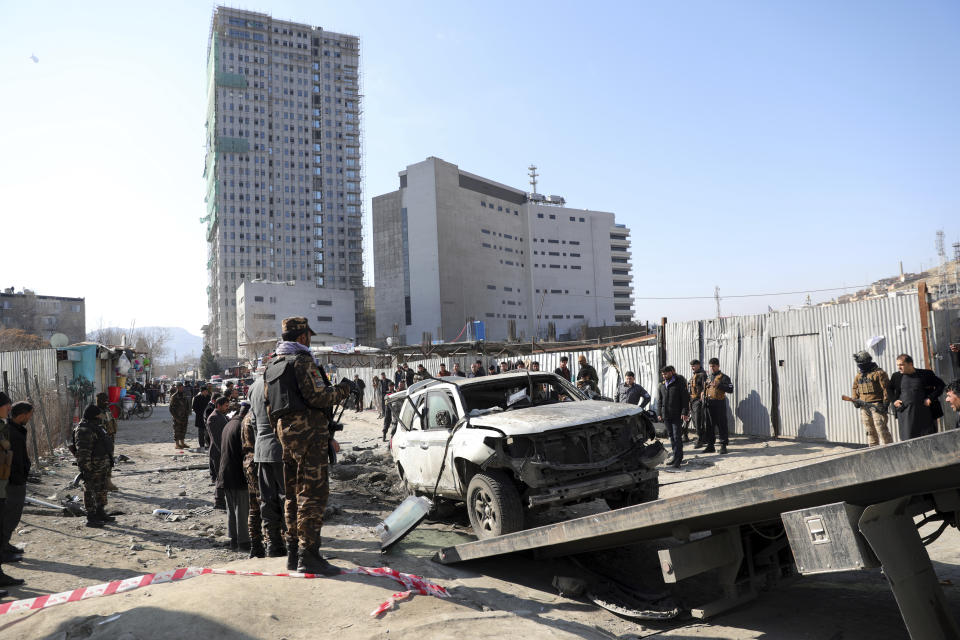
{"x": 220, "y": 506}
{"x": 10, "y": 581}
{"x": 723, "y": 449}
{"x": 232, "y": 545}
{"x": 276, "y": 548}
{"x": 103, "y": 517}
{"x": 10, "y": 548}
{"x": 686, "y": 438}
{"x": 94, "y": 523}
{"x": 244, "y": 546}
{"x": 293, "y": 556}
{"x": 676, "y": 464}
{"x": 257, "y": 550}
{"x": 668, "y": 461}
{"x": 710, "y": 449}
{"x": 6, "y": 557}
{"x": 698, "y": 445}
{"x": 311, "y": 561}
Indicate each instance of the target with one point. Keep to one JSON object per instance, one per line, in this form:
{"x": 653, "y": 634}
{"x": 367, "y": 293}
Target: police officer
{"x": 696, "y": 385}
{"x": 632, "y": 393}
{"x": 296, "y": 397}
{"x": 718, "y": 385}
{"x": 871, "y": 396}
{"x": 94, "y": 459}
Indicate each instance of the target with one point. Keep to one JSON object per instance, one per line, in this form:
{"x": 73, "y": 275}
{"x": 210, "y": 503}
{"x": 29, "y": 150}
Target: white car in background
{"x": 507, "y": 443}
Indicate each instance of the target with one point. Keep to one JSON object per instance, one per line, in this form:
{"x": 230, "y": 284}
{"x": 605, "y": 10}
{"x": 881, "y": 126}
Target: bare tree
{"x": 19, "y": 340}
{"x": 154, "y": 342}
{"x": 106, "y": 335}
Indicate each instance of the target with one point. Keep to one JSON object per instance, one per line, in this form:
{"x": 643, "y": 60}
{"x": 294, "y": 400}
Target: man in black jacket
{"x": 916, "y": 398}
{"x": 673, "y": 402}
{"x": 232, "y": 481}
{"x": 20, "y": 415}
{"x": 215, "y": 424}
{"x": 200, "y": 402}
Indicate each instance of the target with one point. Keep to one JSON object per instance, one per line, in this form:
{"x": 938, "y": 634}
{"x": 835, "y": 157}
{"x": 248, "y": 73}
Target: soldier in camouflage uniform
{"x": 248, "y": 436}
{"x": 180, "y": 410}
{"x": 94, "y": 459}
{"x": 110, "y": 426}
{"x": 296, "y": 398}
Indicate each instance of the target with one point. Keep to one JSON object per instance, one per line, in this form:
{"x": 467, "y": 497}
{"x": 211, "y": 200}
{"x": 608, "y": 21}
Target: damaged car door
{"x": 439, "y": 417}
{"x": 410, "y": 458}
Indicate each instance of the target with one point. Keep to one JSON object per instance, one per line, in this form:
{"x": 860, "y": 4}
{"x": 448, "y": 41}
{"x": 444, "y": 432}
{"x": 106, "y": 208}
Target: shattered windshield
{"x": 518, "y": 392}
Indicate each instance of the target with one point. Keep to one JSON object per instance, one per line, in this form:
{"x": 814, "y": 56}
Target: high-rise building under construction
{"x": 283, "y": 163}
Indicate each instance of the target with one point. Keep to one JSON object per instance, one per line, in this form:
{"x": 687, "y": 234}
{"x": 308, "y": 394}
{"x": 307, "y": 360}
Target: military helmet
{"x": 862, "y": 357}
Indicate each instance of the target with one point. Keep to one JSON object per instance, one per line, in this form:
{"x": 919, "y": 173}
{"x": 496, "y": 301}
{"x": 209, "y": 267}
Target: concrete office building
{"x": 43, "y": 315}
{"x": 283, "y": 166}
{"x": 262, "y": 305}
{"x": 450, "y": 246}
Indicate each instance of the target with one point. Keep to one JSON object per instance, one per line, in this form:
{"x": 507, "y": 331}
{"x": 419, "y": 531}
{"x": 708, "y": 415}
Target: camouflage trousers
{"x": 254, "y": 521}
{"x": 95, "y": 477}
{"x": 179, "y": 429}
{"x": 875, "y": 422}
{"x": 305, "y": 476}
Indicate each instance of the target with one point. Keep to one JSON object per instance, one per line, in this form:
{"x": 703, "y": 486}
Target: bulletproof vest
{"x": 714, "y": 393}
{"x": 283, "y": 392}
{"x": 869, "y": 387}
{"x": 696, "y": 384}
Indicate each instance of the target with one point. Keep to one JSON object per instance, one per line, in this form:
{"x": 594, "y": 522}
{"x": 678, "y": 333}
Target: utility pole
{"x": 716, "y": 297}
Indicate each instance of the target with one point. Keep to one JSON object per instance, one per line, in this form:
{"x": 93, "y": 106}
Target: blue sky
{"x": 758, "y": 146}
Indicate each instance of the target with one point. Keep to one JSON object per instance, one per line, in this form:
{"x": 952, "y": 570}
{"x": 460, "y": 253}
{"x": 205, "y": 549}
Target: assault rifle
{"x": 862, "y": 404}
{"x": 333, "y": 419}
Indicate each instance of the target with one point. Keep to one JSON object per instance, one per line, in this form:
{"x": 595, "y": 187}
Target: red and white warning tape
{"x": 414, "y": 584}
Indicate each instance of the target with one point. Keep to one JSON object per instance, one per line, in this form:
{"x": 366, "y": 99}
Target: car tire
{"x": 493, "y": 504}
{"x": 646, "y": 491}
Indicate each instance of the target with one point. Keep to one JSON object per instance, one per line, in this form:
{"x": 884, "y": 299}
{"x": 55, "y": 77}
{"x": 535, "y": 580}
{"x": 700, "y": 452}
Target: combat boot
{"x": 710, "y": 449}
{"x": 723, "y": 449}
{"x": 10, "y": 581}
{"x": 103, "y": 517}
{"x": 292, "y": 555}
{"x": 257, "y": 550}
{"x": 275, "y": 546}
{"x": 310, "y": 561}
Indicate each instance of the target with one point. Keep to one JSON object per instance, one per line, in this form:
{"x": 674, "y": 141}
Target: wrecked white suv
{"x": 516, "y": 441}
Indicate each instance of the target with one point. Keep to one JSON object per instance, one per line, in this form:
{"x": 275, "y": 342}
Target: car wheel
{"x": 648, "y": 491}
{"x": 493, "y": 504}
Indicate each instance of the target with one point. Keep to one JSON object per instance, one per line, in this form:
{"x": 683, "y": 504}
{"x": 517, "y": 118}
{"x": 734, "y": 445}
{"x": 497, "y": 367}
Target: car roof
{"x": 467, "y": 382}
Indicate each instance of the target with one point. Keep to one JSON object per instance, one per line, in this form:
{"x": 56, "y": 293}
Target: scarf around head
{"x": 867, "y": 367}
{"x": 287, "y": 348}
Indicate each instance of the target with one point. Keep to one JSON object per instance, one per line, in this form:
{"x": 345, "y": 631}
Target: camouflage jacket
{"x": 180, "y": 406}
{"x": 315, "y": 394}
{"x": 871, "y": 387}
{"x": 93, "y": 444}
{"x": 248, "y": 438}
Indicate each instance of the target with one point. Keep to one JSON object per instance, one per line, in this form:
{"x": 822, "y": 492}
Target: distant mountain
{"x": 183, "y": 344}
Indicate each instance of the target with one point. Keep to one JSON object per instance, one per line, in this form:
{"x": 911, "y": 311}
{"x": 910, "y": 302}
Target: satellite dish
{"x": 59, "y": 341}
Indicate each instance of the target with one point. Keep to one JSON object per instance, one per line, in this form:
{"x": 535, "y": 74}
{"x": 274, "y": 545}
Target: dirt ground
{"x": 492, "y": 598}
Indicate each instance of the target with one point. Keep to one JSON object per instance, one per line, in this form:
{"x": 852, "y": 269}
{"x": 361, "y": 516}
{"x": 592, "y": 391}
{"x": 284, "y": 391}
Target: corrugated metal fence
{"x": 32, "y": 375}
{"x": 790, "y": 368}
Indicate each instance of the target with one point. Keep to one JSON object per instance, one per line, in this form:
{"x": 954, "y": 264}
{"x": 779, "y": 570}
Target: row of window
{"x": 574, "y": 267}
{"x": 483, "y": 203}
{"x": 553, "y": 216}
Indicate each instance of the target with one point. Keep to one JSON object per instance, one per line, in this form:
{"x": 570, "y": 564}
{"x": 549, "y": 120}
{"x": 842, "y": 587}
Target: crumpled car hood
{"x": 554, "y": 416}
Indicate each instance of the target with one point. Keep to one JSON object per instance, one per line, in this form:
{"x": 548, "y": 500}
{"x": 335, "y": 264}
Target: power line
{"x": 755, "y": 295}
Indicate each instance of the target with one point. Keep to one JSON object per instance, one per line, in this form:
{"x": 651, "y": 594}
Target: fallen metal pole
{"x": 41, "y": 503}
